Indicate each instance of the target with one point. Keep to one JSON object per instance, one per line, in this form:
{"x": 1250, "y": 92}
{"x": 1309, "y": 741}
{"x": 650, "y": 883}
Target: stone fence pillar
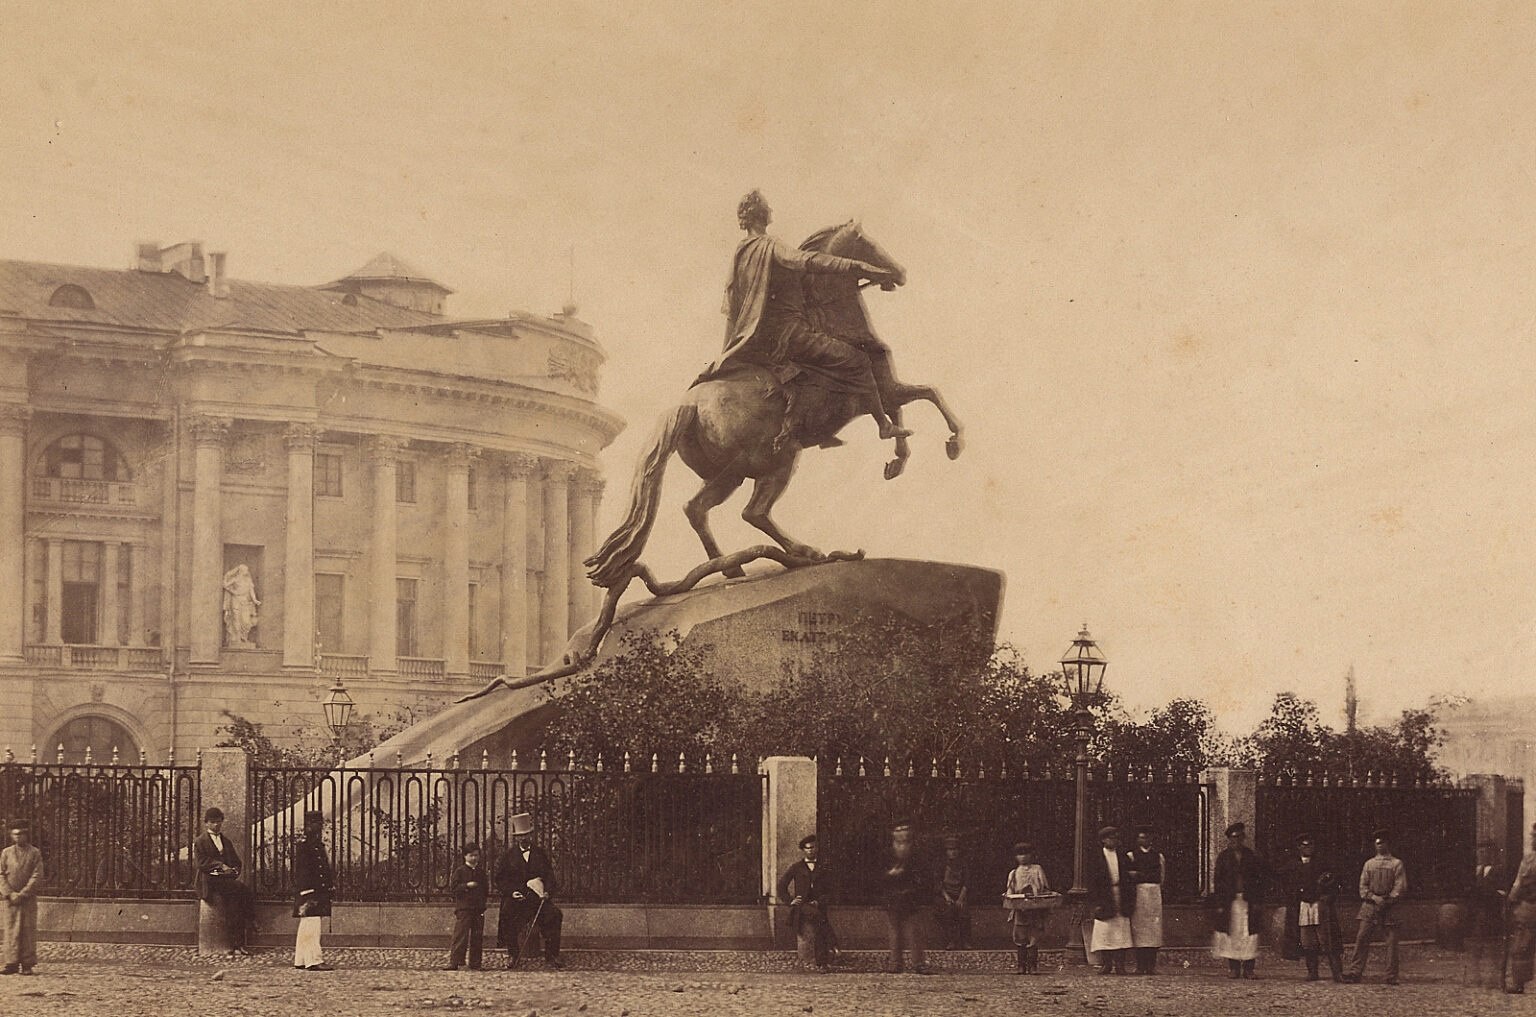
{"x": 225, "y": 785}
{"x": 1492, "y": 816}
{"x": 789, "y": 813}
{"x": 1233, "y": 794}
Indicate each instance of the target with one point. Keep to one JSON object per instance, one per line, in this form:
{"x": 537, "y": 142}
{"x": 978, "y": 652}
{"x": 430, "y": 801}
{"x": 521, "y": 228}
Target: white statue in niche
{"x": 240, "y": 604}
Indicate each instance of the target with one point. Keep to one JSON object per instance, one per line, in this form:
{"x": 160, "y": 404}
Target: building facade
{"x": 218, "y": 497}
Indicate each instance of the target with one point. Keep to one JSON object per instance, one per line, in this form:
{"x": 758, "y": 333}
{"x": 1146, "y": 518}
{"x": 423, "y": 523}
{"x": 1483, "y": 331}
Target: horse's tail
{"x": 614, "y": 560}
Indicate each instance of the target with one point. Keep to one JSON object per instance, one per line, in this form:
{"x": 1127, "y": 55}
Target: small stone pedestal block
{"x": 212, "y": 936}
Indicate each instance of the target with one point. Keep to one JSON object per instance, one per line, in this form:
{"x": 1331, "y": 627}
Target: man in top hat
{"x": 804, "y": 888}
{"x": 1238, "y": 896}
{"x": 218, "y": 881}
{"x": 1311, "y": 911}
{"x": 1383, "y": 881}
{"x": 1113, "y": 899}
{"x": 1148, "y": 870}
{"x": 313, "y": 884}
{"x": 21, "y": 875}
{"x": 525, "y": 877}
{"x": 1522, "y": 919}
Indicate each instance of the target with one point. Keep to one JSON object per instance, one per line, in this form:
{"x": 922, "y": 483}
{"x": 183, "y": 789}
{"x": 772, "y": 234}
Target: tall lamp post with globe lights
{"x": 1082, "y": 672}
{"x": 338, "y": 708}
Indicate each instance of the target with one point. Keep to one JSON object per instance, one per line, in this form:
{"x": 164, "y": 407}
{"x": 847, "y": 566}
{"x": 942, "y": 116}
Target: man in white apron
{"x": 1147, "y": 873}
{"x": 1112, "y": 897}
{"x": 1239, "y": 895}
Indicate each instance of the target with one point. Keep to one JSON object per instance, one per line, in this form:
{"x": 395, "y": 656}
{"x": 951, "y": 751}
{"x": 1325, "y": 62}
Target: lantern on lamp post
{"x": 1082, "y": 672}
{"x": 337, "y": 705}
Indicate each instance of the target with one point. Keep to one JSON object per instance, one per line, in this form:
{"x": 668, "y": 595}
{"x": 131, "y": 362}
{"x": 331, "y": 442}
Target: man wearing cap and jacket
{"x": 1522, "y": 919}
{"x": 1383, "y": 881}
{"x": 525, "y": 877}
{"x": 1238, "y": 898}
{"x": 1112, "y": 897}
{"x": 1311, "y": 912}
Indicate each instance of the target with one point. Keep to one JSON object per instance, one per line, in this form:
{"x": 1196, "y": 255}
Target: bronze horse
{"x": 730, "y": 427}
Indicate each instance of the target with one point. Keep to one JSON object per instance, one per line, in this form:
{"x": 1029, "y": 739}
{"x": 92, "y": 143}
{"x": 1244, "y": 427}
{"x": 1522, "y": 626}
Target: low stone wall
{"x": 626, "y": 926}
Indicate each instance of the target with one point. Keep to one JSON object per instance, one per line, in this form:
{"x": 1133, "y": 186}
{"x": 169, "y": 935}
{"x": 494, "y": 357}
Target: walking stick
{"x": 528, "y": 932}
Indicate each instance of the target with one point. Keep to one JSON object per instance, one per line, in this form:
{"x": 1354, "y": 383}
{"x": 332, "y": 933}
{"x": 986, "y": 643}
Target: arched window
{"x": 70, "y": 295}
{"x": 102, "y": 734}
{"x": 82, "y": 457}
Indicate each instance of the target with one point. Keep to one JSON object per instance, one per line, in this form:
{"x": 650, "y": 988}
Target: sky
{"x": 1232, "y": 298}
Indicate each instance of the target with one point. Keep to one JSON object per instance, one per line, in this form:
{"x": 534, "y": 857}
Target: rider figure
{"x": 768, "y": 325}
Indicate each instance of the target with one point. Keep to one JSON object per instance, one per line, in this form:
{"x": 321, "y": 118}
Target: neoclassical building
{"x": 219, "y": 495}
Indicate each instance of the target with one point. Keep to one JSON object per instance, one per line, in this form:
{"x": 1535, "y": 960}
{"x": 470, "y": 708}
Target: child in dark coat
{"x": 469, "y": 894}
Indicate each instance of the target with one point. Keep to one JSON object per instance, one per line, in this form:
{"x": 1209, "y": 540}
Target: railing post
{"x": 225, "y": 784}
{"x": 789, "y": 813}
{"x": 1233, "y": 799}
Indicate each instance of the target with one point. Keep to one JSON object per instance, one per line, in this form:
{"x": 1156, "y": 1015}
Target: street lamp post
{"x": 1083, "y": 675}
{"x": 337, "y": 706}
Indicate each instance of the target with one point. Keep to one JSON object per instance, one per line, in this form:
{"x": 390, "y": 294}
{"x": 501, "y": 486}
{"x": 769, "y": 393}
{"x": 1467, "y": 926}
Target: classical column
{"x": 208, "y": 434}
{"x": 586, "y": 495}
{"x": 53, "y": 578}
{"x": 514, "y": 563}
{"x": 106, "y": 631}
{"x": 299, "y": 549}
{"x": 13, "y": 432}
{"x": 582, "y": 543}
{"x": 556, "y": 620}
{"x": 137, "y": 555}
{"x": 382, "y": 451}
{"x": 456, "y": 560}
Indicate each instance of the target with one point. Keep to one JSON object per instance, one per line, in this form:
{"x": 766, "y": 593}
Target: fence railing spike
{"x": 862, "y": 772}
{"x": 570, "y": 758}
{"x": 599, "y": 762}
{"x": 485, "y": 759}
{"x": 453, "y": 760}
{"x": 10, "y": 757}
{"x": 400, "y": 760}
{"x": 655, "y": 763}
{"x": 114, "y": 754}
{"x": 838, "y": 771}
{"x": 543, "y": 759}
{"x": 626, "y": 761}
{"x": 709, "y": 762}
{"x": 981, "y": 770}
{"x": 682, "y": 762}
{"x": 34, "y": 752}
{"x": 170, "y": 755}
{"x": 887, "y": 762}
{"x": 514, "y": 759}
{"x": 429, "y": 759}
{"x": 735, "y": 766}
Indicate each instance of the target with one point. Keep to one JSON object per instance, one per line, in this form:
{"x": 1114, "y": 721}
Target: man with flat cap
{"x": 1522, "y": 920}
{"x": 314, "y": 881}
{"x": 1112, "y": 896}
{"x": 1383, "y": 881}
{"x": 1311, "y": 911}
{"x": 1148, "y": 870}
{"x": 525, "y": 877}
{"x": 1238, "y": 896}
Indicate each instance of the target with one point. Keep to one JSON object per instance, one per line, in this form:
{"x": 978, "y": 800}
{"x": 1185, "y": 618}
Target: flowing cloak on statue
{"x": 767, "y": 323}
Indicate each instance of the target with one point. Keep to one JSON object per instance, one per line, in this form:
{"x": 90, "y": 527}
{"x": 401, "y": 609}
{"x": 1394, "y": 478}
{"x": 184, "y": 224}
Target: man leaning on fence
{"x": 1522, "y": 922}
{"x": 804, "y": 888}
{"x": 218, "y": 881}
{"x": 21, "y": 873}
{"x": 1383, "y": 881}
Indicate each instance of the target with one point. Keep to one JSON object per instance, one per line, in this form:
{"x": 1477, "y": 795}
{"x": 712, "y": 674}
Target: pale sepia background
{"x": 1235, "y": 299}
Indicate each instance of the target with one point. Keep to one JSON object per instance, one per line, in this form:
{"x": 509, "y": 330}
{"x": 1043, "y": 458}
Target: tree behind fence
{"x": 989, "y": 812}
{"x": 396, "y": 833}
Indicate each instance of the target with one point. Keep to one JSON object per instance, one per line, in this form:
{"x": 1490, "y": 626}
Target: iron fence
{"x": 108, "y": 830}
{"x": 989, "y": 812}
{"x": 1433, "y": 826}
{"x": 615, "y": 836}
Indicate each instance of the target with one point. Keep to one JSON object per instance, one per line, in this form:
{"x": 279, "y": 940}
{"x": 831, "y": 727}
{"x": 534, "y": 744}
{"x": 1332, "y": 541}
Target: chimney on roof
{"x": 218, "y": 282}
{"x": 149, "y": 256}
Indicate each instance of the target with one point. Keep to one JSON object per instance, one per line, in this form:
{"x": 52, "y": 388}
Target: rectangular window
{"x": 473, "y": 492}
{"x": 474, "y": 640}
{"x": 330, "y": 611}
{"x": 82, "y": 592}
{"x": 327, "y": 475}
{"x": 405, "y": 482}
{"x": 405, "y": 617}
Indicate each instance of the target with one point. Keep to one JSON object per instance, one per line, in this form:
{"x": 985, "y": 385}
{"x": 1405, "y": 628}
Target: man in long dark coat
{"x": 1238, "y": 898}
{"x": 1522, "y": 918}
{"x": 1311, "y": 912}
{"x": 313, "y": 884}
{"x": 1112, "y": 896}
{"x": 804, "y": 888}
{"x": 525, "y": 877}
{"x": 218, "y": 881}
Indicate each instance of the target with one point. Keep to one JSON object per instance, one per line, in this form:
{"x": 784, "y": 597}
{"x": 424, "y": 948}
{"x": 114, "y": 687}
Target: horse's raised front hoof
{"x": 894, "y": 467}
{"x": 954, "y": 445}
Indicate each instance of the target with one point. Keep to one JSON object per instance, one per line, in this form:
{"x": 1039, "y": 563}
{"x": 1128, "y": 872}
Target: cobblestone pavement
{"x": 131, "y": 981}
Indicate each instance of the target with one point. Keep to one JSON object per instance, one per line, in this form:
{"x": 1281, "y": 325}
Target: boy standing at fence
{"x": 803, "y": 887}
{"x": 21, "y": 873}
{"x": 1026, "y": 879}
{"x": 953, "y": 911}
{"x": 469, "y": 895}
{"x": 1383, "y": 881}
{"x": 218, "y": 881}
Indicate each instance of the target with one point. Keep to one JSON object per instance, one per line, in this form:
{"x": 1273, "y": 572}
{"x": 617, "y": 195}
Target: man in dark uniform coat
{"x": 1238, "y": 902}
{"x": 1112, "y": 901}
{"x": 525, "y": 878}
{"x": 218, "y": 881}
{"x": 804, "y": 888}
{"x": 313, "y": 884}
{"x": 1311, "y": 912}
